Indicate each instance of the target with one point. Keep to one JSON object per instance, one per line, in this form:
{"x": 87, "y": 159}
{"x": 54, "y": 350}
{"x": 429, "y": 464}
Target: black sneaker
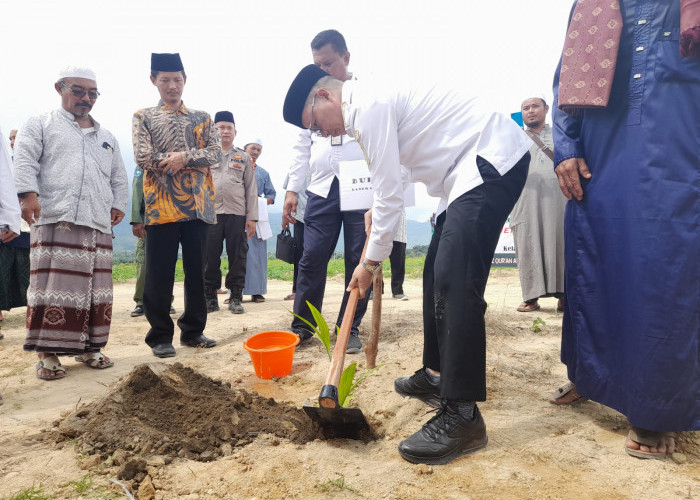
{"x": 420, "y": 387}
{"x": 234, "y": 305}
{"x": 138, "y": 311}
{"x": 212, "y": 303}
{"x": 445, "y": 437}
{"x": 354, "y": 344}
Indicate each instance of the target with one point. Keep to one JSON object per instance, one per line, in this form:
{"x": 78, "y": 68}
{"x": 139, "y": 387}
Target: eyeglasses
{"x": 80, "y": 92}
{"x": 311, "y": 123}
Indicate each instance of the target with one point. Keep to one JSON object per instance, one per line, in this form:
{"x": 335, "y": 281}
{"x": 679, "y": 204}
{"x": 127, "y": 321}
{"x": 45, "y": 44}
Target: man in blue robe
{"x": 632, "y": 235}
{"x": 256, "y": 262}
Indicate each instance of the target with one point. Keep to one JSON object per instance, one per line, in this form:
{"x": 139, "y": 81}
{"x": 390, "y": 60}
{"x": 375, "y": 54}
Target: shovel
{"x": 335, "y": 420}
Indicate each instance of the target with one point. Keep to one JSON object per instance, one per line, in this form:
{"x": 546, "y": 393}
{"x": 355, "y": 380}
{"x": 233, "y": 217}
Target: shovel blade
{"x": 349, "y": 423}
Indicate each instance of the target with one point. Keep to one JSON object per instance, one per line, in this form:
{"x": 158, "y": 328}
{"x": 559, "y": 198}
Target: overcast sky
{"x": 242, "y": 56}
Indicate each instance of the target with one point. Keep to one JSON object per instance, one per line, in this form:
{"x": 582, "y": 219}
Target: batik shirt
{"x": 189, "y": 194}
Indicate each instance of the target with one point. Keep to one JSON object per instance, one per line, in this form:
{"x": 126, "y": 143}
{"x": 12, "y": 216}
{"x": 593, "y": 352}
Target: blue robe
{"x": 256, "y": 262}
{"x": 632, "y": 245}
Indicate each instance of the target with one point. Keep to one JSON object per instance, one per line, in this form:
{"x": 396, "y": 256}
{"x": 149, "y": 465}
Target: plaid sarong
{"x": 70, "y": 289}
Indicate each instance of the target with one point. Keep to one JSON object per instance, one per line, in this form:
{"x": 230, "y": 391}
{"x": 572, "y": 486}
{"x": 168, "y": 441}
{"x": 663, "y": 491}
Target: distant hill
{"x": 418, "y": 233}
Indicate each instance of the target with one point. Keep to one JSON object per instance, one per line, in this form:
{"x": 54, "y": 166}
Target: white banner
{"x": 504, "y": 256}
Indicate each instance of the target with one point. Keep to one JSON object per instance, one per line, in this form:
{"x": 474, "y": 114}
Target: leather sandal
{"x": 529, "y": 306}
{"x": 566, "y": 395}
{"x": 652, "y": 439}
{"x": 53, "y": 365}
{"x": 95, "y": 360}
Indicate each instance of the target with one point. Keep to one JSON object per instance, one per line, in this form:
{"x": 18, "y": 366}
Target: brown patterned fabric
{"x": 189, "y": 194}
{"x": 590, "y": 55}
{"x": 690, "y": 29}
{"x": 70, "y": 289}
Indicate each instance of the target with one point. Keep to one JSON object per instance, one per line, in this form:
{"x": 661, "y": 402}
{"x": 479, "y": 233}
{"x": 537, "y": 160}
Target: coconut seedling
{"x": 347, "y": 384}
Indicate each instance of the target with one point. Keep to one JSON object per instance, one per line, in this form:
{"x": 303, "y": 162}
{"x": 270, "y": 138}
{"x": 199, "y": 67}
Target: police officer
{"x": 236, "y": 209}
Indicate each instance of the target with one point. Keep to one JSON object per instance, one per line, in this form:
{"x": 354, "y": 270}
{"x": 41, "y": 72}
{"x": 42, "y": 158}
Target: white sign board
{"x": 355, "y": 187}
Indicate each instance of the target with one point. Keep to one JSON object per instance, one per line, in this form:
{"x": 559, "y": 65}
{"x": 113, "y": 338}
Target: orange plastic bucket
{"x": 272, "y": 352}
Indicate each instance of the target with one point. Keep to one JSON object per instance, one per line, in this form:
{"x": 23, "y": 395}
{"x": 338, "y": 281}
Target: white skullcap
{"x": 77, "y": 72}
{"x": 537, "y": 95}
{"x": 254, "y": 141}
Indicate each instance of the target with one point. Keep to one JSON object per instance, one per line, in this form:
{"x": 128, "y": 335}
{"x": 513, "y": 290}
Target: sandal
{"x": 529, "y": 306}
{"x": 566, "y": 395}
{"x": 95, "y": 360}
{"x": 652, "y": 439}
{"x": 53, "y": 365}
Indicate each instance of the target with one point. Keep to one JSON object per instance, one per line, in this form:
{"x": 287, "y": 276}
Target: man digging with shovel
{"x": 476, "y": 162}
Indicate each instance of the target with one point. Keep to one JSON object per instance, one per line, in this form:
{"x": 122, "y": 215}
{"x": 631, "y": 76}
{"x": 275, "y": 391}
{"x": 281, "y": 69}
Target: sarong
{"x": 14, "y": 273}
{"x": 70, "y": 289}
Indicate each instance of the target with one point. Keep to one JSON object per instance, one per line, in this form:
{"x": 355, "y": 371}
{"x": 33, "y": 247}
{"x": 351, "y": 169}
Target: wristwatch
{"x": 373, "y": 269}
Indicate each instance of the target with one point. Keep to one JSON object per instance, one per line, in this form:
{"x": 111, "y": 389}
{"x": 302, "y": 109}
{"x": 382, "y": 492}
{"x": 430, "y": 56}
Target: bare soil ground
{"x": 203, "y": 426}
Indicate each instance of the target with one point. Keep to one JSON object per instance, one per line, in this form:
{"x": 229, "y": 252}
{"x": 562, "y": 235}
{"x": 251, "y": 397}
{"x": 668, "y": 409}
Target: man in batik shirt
{"x": 175, "y": 146}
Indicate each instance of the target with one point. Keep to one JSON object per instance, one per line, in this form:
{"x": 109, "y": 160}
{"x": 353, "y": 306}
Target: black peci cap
{"x": 224, "y": 116}
{"x": 166, "y": 62}
{"x": 299, "y": 91}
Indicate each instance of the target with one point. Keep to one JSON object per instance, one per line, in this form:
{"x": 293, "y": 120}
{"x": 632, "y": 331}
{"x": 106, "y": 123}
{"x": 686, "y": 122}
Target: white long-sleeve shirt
{"x": 9, "y": 205}
{"x": 435, "y": 134}
{"x": 79, "y": 177}
{"x": 315, "y": 153}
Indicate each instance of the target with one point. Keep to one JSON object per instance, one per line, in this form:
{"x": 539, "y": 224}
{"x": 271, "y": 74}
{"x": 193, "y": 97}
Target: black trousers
{"x": 231, "y": 228}
{"x": 161, "y": 257}
{"x": 299, "y": 251}
{"x": 323, "y": 220}
{"x": 454, "y": 279}
{"x": 397, "y": 259}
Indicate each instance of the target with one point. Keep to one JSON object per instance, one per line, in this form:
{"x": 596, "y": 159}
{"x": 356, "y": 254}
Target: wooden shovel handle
{"x": 372, "y": 345}
{"x": 341, "y": 343}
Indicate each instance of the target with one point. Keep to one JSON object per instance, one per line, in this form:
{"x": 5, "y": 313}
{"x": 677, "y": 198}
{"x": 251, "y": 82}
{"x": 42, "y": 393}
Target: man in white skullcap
{"x": 256, "y": 263}
{"x": 72, "y": 186}
{"x": 537, "y": 219}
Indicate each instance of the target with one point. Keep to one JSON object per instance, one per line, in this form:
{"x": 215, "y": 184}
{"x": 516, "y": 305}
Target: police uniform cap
{"x": 299, "y": 91}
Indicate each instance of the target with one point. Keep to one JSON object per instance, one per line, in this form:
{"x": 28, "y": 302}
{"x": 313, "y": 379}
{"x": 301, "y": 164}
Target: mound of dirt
{"x": 173, "y": 411}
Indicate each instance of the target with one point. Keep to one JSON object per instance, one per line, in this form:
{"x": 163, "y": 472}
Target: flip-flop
{"x": 52, "y": 364}
{"x": 95, "y": 360}
{"x": 526, "y": 307}
{"x": 646, "y": 438}
{"x": 566, "y": 395}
